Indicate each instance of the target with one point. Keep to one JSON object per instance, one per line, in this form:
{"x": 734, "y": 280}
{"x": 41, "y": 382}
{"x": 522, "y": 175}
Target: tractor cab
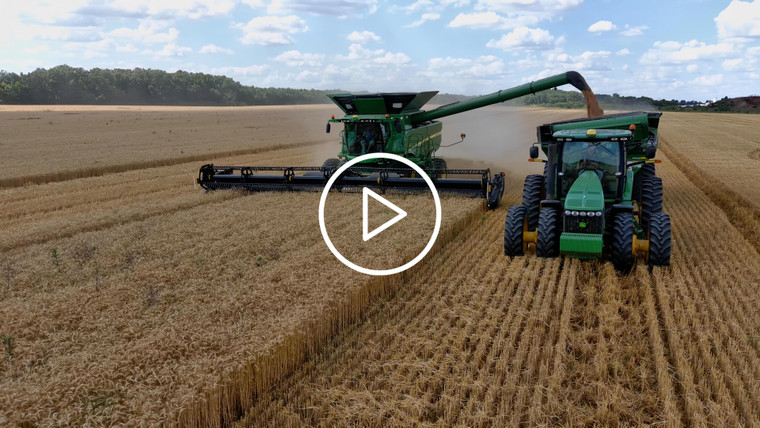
{"x": 590, "y": 159}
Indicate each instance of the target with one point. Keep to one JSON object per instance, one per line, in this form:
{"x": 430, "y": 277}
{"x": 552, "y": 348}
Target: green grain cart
{"x": 389, "y": 123}
{"x": 598, "y": 196}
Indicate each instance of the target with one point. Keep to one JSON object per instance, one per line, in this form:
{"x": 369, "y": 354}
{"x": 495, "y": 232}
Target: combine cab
{"x": 389, "y": 123}
{"x": 598, "y": 196}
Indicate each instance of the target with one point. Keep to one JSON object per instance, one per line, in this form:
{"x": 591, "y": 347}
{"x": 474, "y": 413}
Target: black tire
{"x": 331, "y": 163}
{"x": 439, "y": 163}
{"x": 646, "y": 172}
{"x": 513, "y": 231}
{"x": 659, "y": 240}
{"x": 547, "y": 239}
{"x": 622, "y": 242}
{"x": 533, "y": 194}
{"x": 651, "y": 200}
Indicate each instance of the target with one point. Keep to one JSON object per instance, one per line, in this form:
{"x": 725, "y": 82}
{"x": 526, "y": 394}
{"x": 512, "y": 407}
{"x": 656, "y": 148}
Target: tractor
{"x": 598, "y": 197}
{"x": 390, "y": 123}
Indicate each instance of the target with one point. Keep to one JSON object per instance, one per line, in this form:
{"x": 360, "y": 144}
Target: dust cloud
{"x": 498, "y": 137}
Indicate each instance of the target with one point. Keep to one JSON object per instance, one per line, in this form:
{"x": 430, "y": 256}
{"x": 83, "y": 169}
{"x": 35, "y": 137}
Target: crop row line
{"x": 53, "y": 177}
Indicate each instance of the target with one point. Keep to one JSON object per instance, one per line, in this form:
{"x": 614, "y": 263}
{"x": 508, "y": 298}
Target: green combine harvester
{"x": 598, "y": 196}
{"x": 389, "y": 123}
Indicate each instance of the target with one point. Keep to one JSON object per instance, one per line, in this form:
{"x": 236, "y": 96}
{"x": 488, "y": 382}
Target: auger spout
{"x": 571, "y": 77}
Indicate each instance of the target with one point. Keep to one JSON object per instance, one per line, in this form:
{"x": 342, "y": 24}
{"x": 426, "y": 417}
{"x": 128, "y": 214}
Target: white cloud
{"x": 734, "y": 64}
{"x": 425, "y": 17}
{"x": 271, "y": 30}
{"x": 739, "y": 19}
{"x": 588, "y": 60}
{"x": 341, "y": 9}
{"x": 364, "y": 37}
{"x": 711, "y": 80}
{"x": 633, "y": 31}
{"x": 214, "y": 49}
{"x": 623, "y": 52}
{"x": 677, "y": 53}
{"x": 419, "y": 4}
{"x": 602, "y": 27}
{"x": 295, "y": 58}
{"x": 173, "y": 50}
{"x": 546, "y": 8}
{"x": 359, "y": 53}
{"x": 525, "y": 38}
{"x": 492, "y": 20}
{"x": 465, "y": 75}
{"x": 149, "y": 31}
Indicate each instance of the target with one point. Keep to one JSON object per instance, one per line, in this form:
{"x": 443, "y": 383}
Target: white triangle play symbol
{"x": 365, "y": 209}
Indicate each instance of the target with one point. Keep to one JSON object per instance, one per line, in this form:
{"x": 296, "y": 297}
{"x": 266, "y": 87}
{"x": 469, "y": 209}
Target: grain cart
{"x": 392, "y": 123}
{"x": 598, "y": 196}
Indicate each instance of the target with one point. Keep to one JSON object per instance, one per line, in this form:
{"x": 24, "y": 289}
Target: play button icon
{"x": 367, "y": 235}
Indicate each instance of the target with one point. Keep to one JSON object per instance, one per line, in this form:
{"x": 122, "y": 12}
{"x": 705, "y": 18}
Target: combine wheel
{"x": 439, "y": 164}
{"x": 547, "y": 241}
{"x": 513, "y": 231}
{"x": 651, "y": 200}
{"x": 659, "y": 240}
{"x": 622, "y": 242}
{"x": 331, "y": 163}
{"x": 644, "y": 173}
{"x": 533, "y": 193}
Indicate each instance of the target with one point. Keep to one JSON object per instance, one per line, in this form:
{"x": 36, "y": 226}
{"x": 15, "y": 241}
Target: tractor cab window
{"x": 365, "y": 137}
{"x": 601, "y": 157}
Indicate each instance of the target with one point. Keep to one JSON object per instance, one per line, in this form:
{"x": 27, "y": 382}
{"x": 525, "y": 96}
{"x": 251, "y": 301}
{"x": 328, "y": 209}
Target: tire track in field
{"x": 54, "y": 177}
{"x": 474, "y": 339}
{"x": 743, "y": 217}
{"x": 706, "y": 304}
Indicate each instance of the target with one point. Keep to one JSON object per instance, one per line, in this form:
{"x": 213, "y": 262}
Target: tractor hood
{"x": 586, "y": 194}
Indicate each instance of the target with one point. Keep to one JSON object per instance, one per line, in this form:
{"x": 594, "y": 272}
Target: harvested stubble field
{"x": 133, "y": 298}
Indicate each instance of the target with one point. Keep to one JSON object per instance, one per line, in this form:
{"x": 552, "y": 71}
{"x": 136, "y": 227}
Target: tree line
{"x": 70, "y": 85}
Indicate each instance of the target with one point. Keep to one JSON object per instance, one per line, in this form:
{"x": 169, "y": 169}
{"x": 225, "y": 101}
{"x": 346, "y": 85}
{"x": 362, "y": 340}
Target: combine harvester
{"x": 390, "y": 123}
{"x": 598, "y": 196}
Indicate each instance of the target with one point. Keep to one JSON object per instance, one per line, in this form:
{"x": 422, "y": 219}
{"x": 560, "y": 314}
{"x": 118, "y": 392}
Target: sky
{"x": 673, "y": 49}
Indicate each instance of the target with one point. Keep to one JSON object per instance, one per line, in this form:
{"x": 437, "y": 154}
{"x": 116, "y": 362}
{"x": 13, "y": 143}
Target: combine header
{"x": 390, "y": 123}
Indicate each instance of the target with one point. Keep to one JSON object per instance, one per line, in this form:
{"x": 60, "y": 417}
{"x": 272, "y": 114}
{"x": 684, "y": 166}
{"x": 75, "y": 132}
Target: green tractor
{"x": 598, "y": 197}
{"x": 390, "y": 123}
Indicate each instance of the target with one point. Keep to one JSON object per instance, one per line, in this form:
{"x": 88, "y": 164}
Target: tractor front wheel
{"x": 622, "y": 242}
{"x": 513, "y": 231}
{"x": 547, "y": 239}
{"x": 659, "y": 240}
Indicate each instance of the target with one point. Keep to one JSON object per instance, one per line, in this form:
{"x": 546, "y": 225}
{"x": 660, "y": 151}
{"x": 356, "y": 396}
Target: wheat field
{"x": 131, "y": 297}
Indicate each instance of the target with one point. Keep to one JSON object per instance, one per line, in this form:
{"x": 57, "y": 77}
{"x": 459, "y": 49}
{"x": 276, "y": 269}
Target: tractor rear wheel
{"x": 533, "y": 193}
{"x": 513, "y": 231}
{"x": 651, "y": 200}
{"x": 659, "y": 240}
{"x": 622, "y": 242}
{"x": 547, "y": 239}
{"x": 645, "y": 172}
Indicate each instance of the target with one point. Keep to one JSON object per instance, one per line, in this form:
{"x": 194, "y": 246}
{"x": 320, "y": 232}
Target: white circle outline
{"x": 379, "y": 272}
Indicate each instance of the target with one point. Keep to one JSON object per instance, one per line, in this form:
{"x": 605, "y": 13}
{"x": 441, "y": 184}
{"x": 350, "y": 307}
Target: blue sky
{"x": 681, "y": 49}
